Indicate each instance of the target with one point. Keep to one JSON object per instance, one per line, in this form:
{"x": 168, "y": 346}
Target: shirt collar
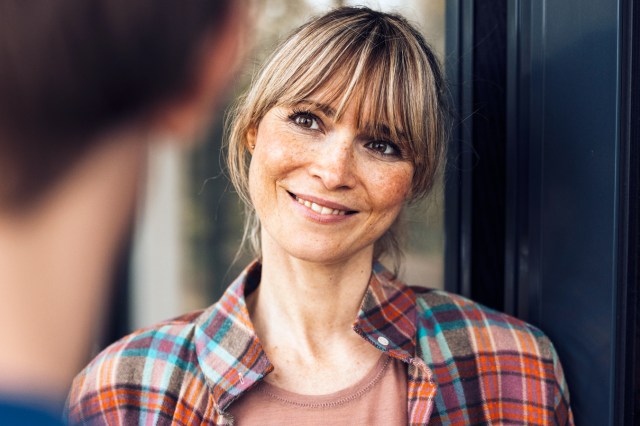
{"x": 233, "y": 360}
{"x": 387, "y": 316}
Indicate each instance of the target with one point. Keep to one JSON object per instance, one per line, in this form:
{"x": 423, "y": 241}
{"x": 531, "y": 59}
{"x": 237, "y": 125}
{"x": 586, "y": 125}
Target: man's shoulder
{"x": 19, "y": 413}
{"x": 153, "y": 364}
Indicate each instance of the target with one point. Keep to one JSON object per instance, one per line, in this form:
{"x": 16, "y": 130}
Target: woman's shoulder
{"x": 152, "y": 364}
{"x": 473, "y": 347}
{"x": 470, "y": 329}
{"x": 449, "y": 314}
{"x": 456, "y": 310}
{"x": 159, "y": 341}
{"x": 461, "y": 321}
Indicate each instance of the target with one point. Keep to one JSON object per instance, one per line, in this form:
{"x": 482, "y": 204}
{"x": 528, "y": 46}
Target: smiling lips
{"x": 320, "y": 209}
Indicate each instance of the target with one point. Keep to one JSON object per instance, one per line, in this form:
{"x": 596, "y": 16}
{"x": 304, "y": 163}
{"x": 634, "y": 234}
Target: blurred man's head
{"x": 72, "y": 71}
{"x": 84, "y": 86}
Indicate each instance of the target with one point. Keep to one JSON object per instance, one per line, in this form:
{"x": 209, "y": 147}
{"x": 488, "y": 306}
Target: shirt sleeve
{"x": 562, "y": 412}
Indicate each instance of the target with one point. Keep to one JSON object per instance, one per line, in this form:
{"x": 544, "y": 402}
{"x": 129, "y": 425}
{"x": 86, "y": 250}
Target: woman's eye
{"x": 384, "y": 148}
{"x": 305, "y": 120}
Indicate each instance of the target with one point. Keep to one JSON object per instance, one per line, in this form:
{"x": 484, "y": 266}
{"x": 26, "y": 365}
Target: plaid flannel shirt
{"x": 466, "y": 364}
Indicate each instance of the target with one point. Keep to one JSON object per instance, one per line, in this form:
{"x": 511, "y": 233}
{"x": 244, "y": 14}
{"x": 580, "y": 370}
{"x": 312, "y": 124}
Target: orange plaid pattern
{"x": 466, "y": 364}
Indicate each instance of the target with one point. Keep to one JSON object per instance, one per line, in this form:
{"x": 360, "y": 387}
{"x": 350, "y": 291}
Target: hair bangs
{"x": 366, "y": 73}
{"x": 331, "y": 78}
{"x": 384, "y": 103}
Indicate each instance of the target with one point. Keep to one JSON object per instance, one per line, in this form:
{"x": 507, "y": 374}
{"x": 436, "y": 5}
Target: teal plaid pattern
{"x": 466, "y": 364}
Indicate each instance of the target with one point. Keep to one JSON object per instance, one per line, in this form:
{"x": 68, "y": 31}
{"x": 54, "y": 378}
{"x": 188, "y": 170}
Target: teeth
{"x": 320, "y": 209}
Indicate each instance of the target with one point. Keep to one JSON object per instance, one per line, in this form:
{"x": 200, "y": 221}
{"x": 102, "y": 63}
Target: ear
{"x": 218, "y": 58}
{"x": 250, "y": 140}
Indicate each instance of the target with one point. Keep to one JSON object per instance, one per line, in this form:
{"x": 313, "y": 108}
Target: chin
{"x": 320, "y": 258}
{"x": 329, "y": 254}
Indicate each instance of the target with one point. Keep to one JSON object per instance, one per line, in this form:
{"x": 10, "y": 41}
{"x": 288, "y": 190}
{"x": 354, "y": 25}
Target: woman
{"x": 344, "y": 125}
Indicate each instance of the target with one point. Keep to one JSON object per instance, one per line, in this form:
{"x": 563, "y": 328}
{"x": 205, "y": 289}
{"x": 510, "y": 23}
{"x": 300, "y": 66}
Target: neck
{"x": 309, "y": 302}
{"x": 303, "y": 314}
{"x": 54, "y": 269}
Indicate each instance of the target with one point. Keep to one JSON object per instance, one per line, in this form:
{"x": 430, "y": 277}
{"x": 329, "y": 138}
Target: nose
{"x": 334, "y": 163}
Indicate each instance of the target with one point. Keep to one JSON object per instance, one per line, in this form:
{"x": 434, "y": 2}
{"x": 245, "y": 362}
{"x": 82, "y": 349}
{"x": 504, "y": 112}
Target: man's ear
{"x": 218, "y": 58}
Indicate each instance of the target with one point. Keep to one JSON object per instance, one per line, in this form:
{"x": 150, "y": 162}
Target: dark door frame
{"x": 499, "y": 205}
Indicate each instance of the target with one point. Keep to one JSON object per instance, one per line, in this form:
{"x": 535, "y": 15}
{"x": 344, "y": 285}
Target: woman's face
{"x": 324, "y": 190}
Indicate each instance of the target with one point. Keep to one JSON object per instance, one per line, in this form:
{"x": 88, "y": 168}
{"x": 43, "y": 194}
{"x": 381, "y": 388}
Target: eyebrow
{"x": 369, "y": 130}
{"x": 326, "y": 109}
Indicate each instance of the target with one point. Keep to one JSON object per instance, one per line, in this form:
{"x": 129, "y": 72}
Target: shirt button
{"x": 383, "y": 341}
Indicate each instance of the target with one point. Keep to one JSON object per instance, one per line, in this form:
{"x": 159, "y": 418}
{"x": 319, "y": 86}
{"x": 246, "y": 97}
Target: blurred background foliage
{"x": 213, "y": 215}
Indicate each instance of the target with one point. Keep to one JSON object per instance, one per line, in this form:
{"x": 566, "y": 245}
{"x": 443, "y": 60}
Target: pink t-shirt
{"x": 379, "y": 398}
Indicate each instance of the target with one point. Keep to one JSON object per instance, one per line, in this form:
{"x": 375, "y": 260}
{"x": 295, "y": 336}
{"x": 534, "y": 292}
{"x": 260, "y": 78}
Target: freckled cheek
{"x": 274, "y": 158}
{"x": 391, "y": 190}
{"x": 278, "y": 154}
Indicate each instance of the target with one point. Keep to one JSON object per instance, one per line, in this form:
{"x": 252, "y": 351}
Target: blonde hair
{"x": 379, "y": 59}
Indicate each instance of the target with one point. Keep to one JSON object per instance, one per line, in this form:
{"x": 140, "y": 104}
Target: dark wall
{"x": 573, "y": 144}
{"x": 542, "y": 191}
